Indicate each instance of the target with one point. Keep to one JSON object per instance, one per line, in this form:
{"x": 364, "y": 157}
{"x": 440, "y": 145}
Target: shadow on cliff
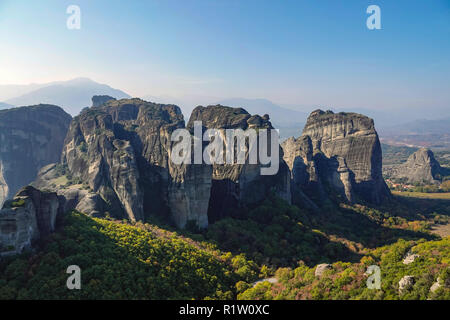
{"x": 276, "y": 234}
{"x": 373, "y": 226}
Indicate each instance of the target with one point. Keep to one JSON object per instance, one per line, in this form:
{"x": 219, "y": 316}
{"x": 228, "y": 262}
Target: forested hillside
{"x": 125, "y": 260}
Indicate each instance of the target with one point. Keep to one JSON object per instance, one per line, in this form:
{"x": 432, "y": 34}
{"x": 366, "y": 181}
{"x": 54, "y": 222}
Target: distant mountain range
{"x": 399, "y": 125}
{"x": 72, "y": 95}
{"x": 9, "y": 91}
{"x": 288, "y": 121}
{"x": 187, "y": 102}
{"x": 422, "y": 126}
{"x": 419, "y": 133}
{"x": 5, "y": 106}
{"x": 396, "y": 117}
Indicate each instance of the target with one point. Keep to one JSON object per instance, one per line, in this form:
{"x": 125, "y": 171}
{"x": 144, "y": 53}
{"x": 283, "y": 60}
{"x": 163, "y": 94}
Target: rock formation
{"x": 321, "y": 268}
{"x": 405, "y": 284}
{"x": 97, "y": 101}
{"x": 120, "y": 151}
{"x": 30, "y": 137}
{"x": 436, "y": 285}
{"x": 238, "y": 185}
{"x": 77, "y": 196}
{"x": 410, "y": 258}
{"x": 116, "y": 159}
{"x": 26, "y": 218}
{"x": 341, "y": 151}
{"x": 305, "y": 180}
{"x": 421, "y": 167}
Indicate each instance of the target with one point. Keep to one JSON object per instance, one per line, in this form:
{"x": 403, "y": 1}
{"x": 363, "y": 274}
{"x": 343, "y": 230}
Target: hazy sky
{"x": 294, "y": 52}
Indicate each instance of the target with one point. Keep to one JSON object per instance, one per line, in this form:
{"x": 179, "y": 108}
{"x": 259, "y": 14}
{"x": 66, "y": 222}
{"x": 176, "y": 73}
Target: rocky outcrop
{"x": 405, "y": 284}
{"x": 306, "y": 184}
{"x": 436, "y": 286}
{"x": 30, "y": 137}
{"x": 410, "y": 258}
{"x": 97, "y": 101}
{"x": 26, "y": 218}
{"x": 116, "y": 159}
{"x": 76, "y": 196}
{"x": 321, "y": 268}
{"x": 237, "y": 185}
{"x": 421, "y": 167}
{"x": 337, "y": 150}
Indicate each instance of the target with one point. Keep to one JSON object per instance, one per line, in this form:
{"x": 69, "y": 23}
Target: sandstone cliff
{"x": 116, "y": 160}
{"x": 237, "y": 185}
{"x": 421, "y": 167}
{"x": 30, "y": 137}
{"x": 26, "y": 218}
{"x": 341, "y": 151}
{"x": 120, "y": 152}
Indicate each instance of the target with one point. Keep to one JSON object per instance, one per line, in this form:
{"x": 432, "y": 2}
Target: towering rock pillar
{"x": 121, "y": 150}
{"x": 343, "y": 151}
{"x": 421, "y": 167}
{"x": 237, "y": 185}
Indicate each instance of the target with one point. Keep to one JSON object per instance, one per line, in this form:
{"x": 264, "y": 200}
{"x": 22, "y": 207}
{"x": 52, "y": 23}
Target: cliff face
{"x": 305, "y": 181}
{"x": 237, "y": 185}
{"x": 30, "y": 137}
{"x": 117, "y": 158}
{"x": 24, "y": 219}
{"x": 421, "y": 167}
{"x": 341, "y": 150}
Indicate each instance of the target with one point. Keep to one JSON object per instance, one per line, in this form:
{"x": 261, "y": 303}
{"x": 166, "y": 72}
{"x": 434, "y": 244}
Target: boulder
{"x": 405, "y": 284}
{"x": 321, "y": 268}
{"x": 435, "y": 285}
{"x": 410, "y": 257}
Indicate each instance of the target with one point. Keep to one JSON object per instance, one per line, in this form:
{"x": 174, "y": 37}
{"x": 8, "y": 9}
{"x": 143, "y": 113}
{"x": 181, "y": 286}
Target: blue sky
{"x": 293, "y": 52}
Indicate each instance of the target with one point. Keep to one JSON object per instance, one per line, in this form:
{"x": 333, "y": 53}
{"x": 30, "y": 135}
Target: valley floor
{"x": 423, "y": 195}
{"x": 441, "y": 230}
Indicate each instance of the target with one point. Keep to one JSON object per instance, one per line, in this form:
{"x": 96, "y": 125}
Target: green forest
{"x": 152, "y": 260}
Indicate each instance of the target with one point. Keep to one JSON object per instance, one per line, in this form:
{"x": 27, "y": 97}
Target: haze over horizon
{"x": 293, "y": 53}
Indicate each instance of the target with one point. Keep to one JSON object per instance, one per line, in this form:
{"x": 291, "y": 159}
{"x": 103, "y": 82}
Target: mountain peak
{"x": 79, "y": 80}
